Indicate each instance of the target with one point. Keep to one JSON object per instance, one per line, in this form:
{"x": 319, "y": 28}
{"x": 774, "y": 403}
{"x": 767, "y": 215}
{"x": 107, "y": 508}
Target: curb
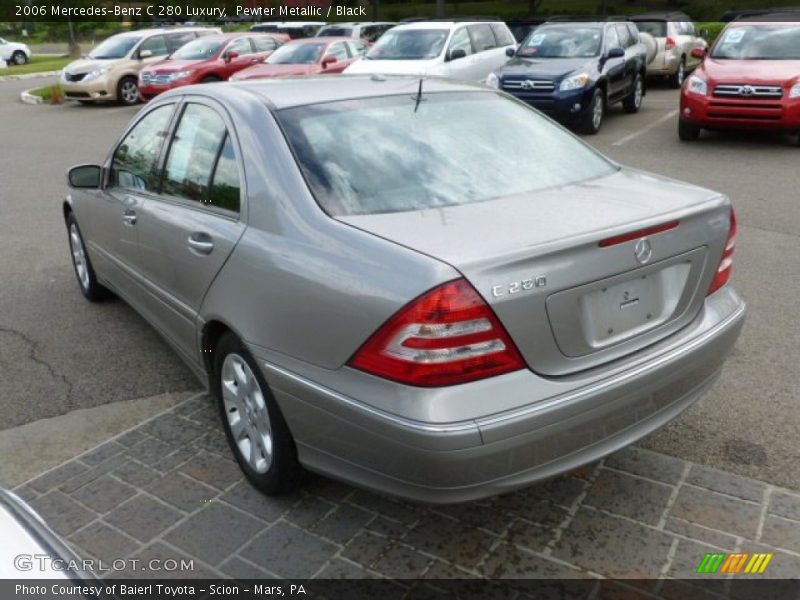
{"x": 28, "y": 98}
{"x": 30, "y": 75}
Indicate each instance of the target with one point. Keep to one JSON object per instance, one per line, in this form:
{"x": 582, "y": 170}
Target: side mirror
{"x": 510, "y": 52}
{"x": 699, "y": 53}
{"x": 328, "y": 60}
{"x": 617, "y": 52}
{"x": 229, "y": 56}
{"x": 145, "y": 53}
{"x": 457, "y": 53}
{"x": 86, "y": 177}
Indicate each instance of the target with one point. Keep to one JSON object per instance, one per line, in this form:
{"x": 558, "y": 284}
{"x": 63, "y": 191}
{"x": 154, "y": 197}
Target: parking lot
{"x": 59, "y": 353}
{"x": 164, "y": 487}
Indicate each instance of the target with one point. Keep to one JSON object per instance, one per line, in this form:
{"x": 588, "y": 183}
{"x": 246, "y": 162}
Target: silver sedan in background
{"x": 419, "y": 286}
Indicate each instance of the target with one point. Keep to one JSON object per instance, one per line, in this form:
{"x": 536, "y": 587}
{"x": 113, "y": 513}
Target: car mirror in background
{"x": 617, "y": 52}
{"x": 699, "y": 53}
{"x": 85, "y": 177}
{"x": 457, "y": 53}
{"x": 510, "y": 52}
{"x": 145, "y": 54}
{"x": 328, "y": 60}
{"x": 229, "y": 56}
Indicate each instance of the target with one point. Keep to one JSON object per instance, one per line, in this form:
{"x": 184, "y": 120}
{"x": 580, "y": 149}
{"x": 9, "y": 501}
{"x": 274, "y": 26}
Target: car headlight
{"x": 493, "y": 81}
{"x": 91, "y": 75}
{"x": 697, "y": 86}
{"x": 180, "y": 75}
{"x": 795, "y": 91}
{"x": 575, "y": 82}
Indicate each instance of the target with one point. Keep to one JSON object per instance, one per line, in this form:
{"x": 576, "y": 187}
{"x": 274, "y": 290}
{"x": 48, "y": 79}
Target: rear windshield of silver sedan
{"x": 393, "y": 154}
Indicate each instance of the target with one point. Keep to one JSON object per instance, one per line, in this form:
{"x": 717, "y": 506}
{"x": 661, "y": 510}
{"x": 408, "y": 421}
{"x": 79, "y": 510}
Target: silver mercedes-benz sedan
{"x": 423, "y": 287}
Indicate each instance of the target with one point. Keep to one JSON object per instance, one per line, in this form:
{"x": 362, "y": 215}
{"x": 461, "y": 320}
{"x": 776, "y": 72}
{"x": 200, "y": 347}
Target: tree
{"x": 533, "y": 6}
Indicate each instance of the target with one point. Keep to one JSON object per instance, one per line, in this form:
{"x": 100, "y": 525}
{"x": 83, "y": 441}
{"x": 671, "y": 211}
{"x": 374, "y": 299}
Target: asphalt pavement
{"x": 59, "y": 353}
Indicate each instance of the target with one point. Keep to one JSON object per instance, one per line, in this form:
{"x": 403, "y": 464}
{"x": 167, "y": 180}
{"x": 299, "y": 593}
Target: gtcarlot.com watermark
{"x": 45, "y": 563}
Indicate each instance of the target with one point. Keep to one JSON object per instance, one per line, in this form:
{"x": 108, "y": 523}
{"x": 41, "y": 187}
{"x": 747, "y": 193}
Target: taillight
{"x": 670, "y": 43}
{"x": 448, "y": 335}
{"x": 726, "y": 262}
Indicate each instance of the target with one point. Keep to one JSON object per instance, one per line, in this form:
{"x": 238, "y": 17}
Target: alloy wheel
{"x": 129, "y": 92}
{"x": 79, "y": 256}
{"x": 597, "y": 112}
{"x": 247, "y": 413}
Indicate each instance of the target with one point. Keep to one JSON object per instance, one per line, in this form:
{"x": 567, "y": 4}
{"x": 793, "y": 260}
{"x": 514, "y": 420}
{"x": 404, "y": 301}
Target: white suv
{"x": 468, "y": 50}
{"x": 13, "y": 53}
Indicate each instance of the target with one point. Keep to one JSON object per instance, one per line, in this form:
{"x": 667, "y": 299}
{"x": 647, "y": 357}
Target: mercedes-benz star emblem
{"x": 643, "y": 251}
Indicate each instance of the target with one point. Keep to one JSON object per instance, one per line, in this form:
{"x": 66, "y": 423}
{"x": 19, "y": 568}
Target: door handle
{"x": 129, "y": 217}
{"x": 201, "y": 243}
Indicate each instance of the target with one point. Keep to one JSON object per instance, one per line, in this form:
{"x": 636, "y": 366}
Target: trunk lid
{"x": 568, "y": 303}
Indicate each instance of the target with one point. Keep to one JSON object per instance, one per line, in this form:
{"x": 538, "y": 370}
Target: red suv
{"x": 750, "y": 79}
{"x": 211, "y": 58}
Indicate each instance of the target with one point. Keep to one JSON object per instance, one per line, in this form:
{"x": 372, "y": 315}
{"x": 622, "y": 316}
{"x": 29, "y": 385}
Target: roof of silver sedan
{"x": 300, "y": 91}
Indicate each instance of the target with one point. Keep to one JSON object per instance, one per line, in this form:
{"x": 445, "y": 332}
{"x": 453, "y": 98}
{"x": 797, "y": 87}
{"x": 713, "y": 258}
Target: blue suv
{"x": 574, "y": 70}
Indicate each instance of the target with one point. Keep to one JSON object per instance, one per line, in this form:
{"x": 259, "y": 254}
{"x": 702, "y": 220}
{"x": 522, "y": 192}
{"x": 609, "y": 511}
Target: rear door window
{"x": 241, "y": 46}
{"x": 200, "y": 148}
{"x": 482, "y": 37}
{"x": 502, "y": 34}
{"x": 156, "y": 44}
{"x": 264, "y": 43}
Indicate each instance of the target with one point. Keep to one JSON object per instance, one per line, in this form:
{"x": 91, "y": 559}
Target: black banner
{"x": 745, "y": 588}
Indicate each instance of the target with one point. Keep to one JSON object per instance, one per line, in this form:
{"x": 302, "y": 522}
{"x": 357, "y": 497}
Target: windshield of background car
{"x": 409, "y": 44}
{"x": 114, "y": 47}
{"x": 200, "y": 49}
{"x": 562, "y": 42}
{"x": 657, "y": 29}
{"x": 385, "y": 155}
{"x": 296, "y": 54}
{"x": 335, "y": 32}
{"x": 759, "y": 42}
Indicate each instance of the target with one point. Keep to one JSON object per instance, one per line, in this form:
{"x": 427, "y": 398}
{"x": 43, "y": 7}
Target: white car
{"x": 455, "y": 49}
{"x": 14, "y": 53}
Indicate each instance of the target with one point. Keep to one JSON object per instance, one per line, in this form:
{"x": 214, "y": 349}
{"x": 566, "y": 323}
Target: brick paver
{"x": 169, "y": 488}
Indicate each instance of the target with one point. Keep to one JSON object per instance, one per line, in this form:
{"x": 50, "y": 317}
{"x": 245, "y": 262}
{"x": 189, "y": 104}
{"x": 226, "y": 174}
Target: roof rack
{"x": 458, "y": 19}
{"x": 669, "y": 15}
{"x": 754, "y": 14}
{"x": 586, "y": 18}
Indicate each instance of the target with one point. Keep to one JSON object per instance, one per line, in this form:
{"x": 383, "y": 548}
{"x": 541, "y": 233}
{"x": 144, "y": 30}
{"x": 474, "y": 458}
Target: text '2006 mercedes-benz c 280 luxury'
{"x": 423, "y": 287}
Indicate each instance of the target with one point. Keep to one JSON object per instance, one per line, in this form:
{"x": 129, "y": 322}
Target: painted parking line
{"x": 644, "y": 130}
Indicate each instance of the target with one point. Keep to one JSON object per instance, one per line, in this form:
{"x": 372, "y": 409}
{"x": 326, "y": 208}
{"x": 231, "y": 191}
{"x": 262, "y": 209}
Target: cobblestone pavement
{"x": 169, "y": 489}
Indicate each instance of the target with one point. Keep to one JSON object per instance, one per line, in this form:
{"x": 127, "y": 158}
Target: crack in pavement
{"x": 32, "y": 355}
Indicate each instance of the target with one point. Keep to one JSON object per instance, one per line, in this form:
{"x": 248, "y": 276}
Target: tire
{"x": 249, "y": 412}
{"x": 19, "y": 58}
{"x": 676, "y": 79}
{"x": 128, "y": 91}
{"x": 633, "y": 101}
{"x": 688, "y": 132}
{"x": 594, "y": 113}
{"x": 87, "y": 280}
{"x": 211, "y": 79}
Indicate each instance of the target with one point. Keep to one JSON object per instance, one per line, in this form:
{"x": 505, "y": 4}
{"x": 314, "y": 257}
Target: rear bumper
{"x": 348, "y": 439}
{"x": 733, "y": 113}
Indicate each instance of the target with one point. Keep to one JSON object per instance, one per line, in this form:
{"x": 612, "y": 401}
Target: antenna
{"x": 419, "y": 95}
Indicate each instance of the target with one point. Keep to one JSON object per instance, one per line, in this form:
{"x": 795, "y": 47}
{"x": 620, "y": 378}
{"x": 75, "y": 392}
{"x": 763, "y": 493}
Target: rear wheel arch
{"x": 211, "y": 334}
{"x": 66, "y": 208}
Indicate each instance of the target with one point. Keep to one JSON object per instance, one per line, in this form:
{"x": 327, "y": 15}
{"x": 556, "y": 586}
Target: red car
{"x": 207, "y": 59}
{"x": 309, "y": 56}
{"x": 750, "y": 79}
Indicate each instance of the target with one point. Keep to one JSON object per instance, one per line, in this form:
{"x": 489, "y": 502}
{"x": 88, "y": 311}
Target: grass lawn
{"x": 46, "y": 92}
{"x": 38, "y": 64}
